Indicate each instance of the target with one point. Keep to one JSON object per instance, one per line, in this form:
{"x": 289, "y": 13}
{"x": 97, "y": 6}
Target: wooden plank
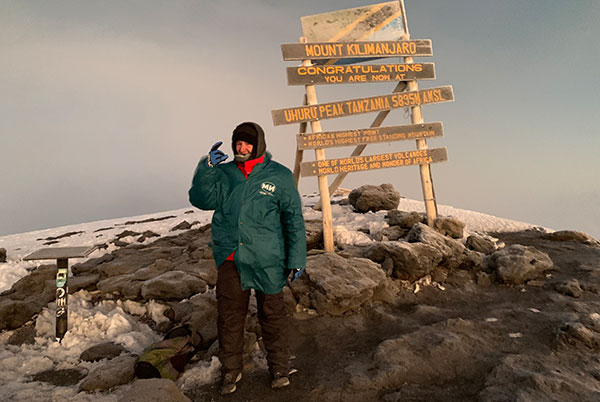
{"x": 334, "y": 139}
{"x": 299, "y": 152}
{"x": 363, "y": 105}
{"x": 55, "y": 253}
{"x": 356, "y": 50}
{"x": 370, "y": 162}
{"x": 327, "y": 217}
{"x": 355, "y": 74}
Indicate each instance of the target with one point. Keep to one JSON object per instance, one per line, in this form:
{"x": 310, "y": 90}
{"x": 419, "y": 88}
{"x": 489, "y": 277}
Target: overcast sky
{"x": 106, "y": 106}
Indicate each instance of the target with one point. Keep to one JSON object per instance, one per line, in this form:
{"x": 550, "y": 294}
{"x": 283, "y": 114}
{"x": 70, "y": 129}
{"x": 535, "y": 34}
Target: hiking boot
{"x": 229, "y": 380}
{"x": 280, "y": 381}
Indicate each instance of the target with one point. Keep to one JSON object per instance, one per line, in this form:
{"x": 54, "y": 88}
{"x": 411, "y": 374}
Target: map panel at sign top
{"x": 377, "y": 22}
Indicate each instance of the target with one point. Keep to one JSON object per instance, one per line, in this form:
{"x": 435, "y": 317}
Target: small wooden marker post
{"x": 61, "y": 255}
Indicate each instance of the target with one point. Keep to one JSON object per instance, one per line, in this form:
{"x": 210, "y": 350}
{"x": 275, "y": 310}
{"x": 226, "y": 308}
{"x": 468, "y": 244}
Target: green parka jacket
{"x": 260, "y": 218}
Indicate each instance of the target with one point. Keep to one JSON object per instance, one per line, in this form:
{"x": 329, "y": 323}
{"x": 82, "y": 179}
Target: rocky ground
{"x": 468, "y": 342}
{"x": 420, "y": 314}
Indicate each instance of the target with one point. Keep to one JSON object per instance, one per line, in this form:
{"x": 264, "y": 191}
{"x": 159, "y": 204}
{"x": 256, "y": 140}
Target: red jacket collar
{"x": 247, "y": 167}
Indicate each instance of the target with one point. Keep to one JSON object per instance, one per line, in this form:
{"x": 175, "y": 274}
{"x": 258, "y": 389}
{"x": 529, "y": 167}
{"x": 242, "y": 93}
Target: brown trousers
{"x": 232, "y": 304}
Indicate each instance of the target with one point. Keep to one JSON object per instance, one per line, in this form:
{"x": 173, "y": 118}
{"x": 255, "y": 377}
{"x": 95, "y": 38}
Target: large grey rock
{"x": 85, "y": 282}
{"x": 117, "y": 268}
{"x": 153, "y": 390}
{"x": 449, "y": 226}
{"x": 408, "y": 260}
{"x": 517, "y": 264}
{"x": 433, "y": 354}
{"x": 480, "y": 244}
{"x": 454, "y": 254}
{"x": 2, "y": 255}
{"x": 374, "y": 198}
{"x": 203, "y": 269}
{"x": 533, "y": 378}
{"x": 578, "y": 336}
{"x": 25, "y": 335}
{"x": 152, "y": 271}
{"x": 91, "y": 265}
{"x": 40, "y": 283}
{"x": 173, "y": 285}
{"x": 130, "y": 259}
{"x": 27, "y": 297}
{"x": 15, "y": 313}
{"x": 121, "y": 286}
{"x": 392, "y": 233}
{"x": 571, "y": 235}
{"x": 183, "y": 225}
{"x": 60, "y": 377}
{"x": 202, "y": 320}
{"x": 107, "y": 350}
{"x": 572, "y": 288}
{"x": 117, "y": 371}
{"x": 334, "y": 285}
{"x": 314, "y": 234}
{"x": 404, "y": 219}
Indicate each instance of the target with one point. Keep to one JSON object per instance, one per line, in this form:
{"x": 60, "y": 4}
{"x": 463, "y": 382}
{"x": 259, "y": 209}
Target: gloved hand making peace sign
{"x": 216, "y": 156}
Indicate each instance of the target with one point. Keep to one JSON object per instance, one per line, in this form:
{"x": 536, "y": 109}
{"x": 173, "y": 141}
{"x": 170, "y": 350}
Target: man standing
{"x": 258, "y": 237}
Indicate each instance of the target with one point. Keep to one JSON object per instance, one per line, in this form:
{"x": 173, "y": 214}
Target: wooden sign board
{"x": 381, "y": 21}
{"x": 370, "y": 162}
{"x": 334, "y": 139}
{"x": 345, "y": 50}
{"x": 353, "y": 74}
{"x": 377, "y": 22}
{"x": 363, "y": 105}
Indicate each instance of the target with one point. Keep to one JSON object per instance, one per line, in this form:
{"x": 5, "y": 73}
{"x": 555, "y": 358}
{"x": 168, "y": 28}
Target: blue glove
{"x": 296, "y": 273}
{"x": 215, "y": 156}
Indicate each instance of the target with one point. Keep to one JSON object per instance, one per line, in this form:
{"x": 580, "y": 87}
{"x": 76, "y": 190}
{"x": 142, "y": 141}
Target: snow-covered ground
{"x": 116, "y": 321}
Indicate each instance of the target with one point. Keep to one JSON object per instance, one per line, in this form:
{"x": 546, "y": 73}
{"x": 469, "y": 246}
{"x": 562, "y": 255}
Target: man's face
{"x": 243, "y": 147}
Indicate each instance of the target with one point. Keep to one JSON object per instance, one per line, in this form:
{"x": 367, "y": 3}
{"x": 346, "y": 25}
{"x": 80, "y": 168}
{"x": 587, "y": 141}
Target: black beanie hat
{"x": 251, "y": 133}
{"x": 244, "y": 132}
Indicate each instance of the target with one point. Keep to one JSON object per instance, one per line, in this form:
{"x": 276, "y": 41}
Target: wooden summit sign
{"x": 369, "y": 162}
{"x": 364, "y": 105}
{"x": 352, "y": 74}
{"x": 331, "y": 45}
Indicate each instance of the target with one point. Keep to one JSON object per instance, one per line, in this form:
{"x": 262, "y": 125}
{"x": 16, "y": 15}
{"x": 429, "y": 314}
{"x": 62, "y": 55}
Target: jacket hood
{"x": 253, "y": 134}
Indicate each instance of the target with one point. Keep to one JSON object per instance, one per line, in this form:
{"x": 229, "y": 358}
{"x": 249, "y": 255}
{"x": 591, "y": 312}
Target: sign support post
{"x": 417, "y": 118}
{"x": 299, "y": 152}
{"x": 311, "y": 99}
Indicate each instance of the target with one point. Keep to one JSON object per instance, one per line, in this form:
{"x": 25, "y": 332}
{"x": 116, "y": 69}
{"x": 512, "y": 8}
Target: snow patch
{"x": 201, "y": 373}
